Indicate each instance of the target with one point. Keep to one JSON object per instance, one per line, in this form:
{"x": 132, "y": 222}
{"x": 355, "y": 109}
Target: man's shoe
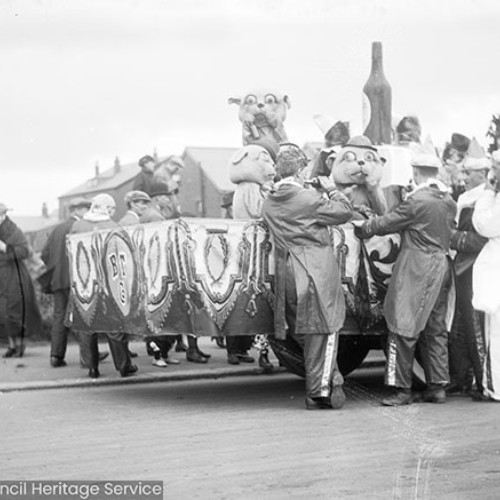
{"x": 130, "y": 370}
{"x": 160, "y": 363}
{"x": 434, "y": 394}
{"x": 245, "y": 358}
{"x": 172, "y": 361}
{"x": 204, "y": 354}
{"x": 94, "y": 373}
{"x": 133, "y": 354}
{"x": 337, "y": 397}
{"x": 56, "y": 362}
{"x": 400, "y": 398}
{"x": 195, "y": 357}
{"x": 233, "y": 359}
{"x": 10, "y": 352}
{"x": 318, "y": 403}
{"x": 103, "y": 356}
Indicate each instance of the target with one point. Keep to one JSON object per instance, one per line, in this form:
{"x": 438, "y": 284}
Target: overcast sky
{"x": 84, "y": 81}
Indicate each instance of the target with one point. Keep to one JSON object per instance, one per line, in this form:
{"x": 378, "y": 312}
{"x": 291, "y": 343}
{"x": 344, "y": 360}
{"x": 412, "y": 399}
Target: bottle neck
{"x": 377, "y": 58}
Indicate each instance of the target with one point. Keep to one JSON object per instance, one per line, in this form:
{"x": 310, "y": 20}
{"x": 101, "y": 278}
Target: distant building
{"x": 116, "y": 181}
{"x": 205, "y": 181}
{"x": 36, "y": 227}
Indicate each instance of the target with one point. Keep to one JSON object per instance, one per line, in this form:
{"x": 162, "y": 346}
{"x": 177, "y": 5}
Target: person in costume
{"x": 309, "y": 300}
{"x": 417, "y": 313}
{"x": 251, "y": 169}
{"x": 466, "y": 347}
{"x": 486, "y": 278}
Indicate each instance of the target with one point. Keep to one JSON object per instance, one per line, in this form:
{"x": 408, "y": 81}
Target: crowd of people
{"x": 449, "y": 222}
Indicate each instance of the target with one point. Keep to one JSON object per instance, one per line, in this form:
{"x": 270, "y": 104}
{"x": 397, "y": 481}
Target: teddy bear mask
{"x": 262, "y": 114}
{"x": 358, "y": 162}
{"x": 357, "y": 171}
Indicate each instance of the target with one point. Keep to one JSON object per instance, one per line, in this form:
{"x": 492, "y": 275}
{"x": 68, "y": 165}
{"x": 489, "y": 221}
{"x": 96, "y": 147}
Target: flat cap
{"x": 145, "y": 159}
{"x": 136, "y": 196}
{"x": 80, "y": 202}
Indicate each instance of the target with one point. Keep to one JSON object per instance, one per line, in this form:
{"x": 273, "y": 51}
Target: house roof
{"x": 213, "y": 161}
{"x": 32, "y": 223}
{"x": 107, "y": 180}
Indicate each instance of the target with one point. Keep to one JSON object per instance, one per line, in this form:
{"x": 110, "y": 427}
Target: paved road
{"x": 249, "y": 438}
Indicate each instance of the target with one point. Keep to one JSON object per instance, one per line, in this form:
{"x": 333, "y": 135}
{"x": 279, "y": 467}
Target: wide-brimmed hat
{"x": 360, "y": 141}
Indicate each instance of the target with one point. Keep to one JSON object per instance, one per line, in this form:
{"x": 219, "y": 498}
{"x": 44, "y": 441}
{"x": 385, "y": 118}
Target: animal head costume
{"x": 250, "y": 168}
{"x": 357, "y": 171}
{"x": 262, "y": 114}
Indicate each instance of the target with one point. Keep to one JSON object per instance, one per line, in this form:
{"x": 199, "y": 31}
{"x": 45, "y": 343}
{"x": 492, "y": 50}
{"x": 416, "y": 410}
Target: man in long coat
{"x": 467, "y": 334}
{"x": 309, "y": 300}
{"x": 416, "y": 303}
{"x": 19, "y": 309}
{"x": 56, "y": 259}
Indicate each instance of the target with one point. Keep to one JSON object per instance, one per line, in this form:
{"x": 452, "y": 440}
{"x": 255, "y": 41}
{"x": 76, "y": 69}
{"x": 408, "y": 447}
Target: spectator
{"x": 99, "y": 217}
{"x": 145, "y": 178}
{"x": 55, "y": 257}
{"x": 169, "y": 172}
{"x": 466, "y": 336}
{"x": 18, "y": 305}
{"x": 137, "y": 203}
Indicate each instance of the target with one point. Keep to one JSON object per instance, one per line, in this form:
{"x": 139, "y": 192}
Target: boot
{"x": 434, "y": 394}
{"x": 264, "y": 362}
{"x": 399, "y": 398}
{"x": 195, "y": 357}
{"x": 318, "y": 403}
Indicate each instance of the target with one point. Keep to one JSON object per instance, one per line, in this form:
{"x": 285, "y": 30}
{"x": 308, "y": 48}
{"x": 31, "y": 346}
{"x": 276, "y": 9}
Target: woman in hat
{"x": 99, "y": 217}
{"x": 19, "y": 311}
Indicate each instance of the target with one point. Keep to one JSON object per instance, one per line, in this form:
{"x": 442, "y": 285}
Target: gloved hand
{"x": 326, "y": 184}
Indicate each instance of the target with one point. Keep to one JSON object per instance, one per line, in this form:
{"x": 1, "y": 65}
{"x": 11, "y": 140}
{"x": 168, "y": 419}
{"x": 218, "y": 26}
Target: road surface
{"x": 250, "y": 438}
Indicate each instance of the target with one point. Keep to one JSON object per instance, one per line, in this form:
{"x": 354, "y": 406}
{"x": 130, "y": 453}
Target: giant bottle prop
{"x": 377, "y": 101}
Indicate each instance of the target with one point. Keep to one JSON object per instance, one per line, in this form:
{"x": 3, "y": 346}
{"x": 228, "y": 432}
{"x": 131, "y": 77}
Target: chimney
{"x": 117, "y": 165}
{"x": 97, "y": 169}
{"x": 45, "y": 210}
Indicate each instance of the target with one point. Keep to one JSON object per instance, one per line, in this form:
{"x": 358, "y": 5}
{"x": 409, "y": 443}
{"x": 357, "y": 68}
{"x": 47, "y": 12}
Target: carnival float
{"x": 215, "y": 277}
